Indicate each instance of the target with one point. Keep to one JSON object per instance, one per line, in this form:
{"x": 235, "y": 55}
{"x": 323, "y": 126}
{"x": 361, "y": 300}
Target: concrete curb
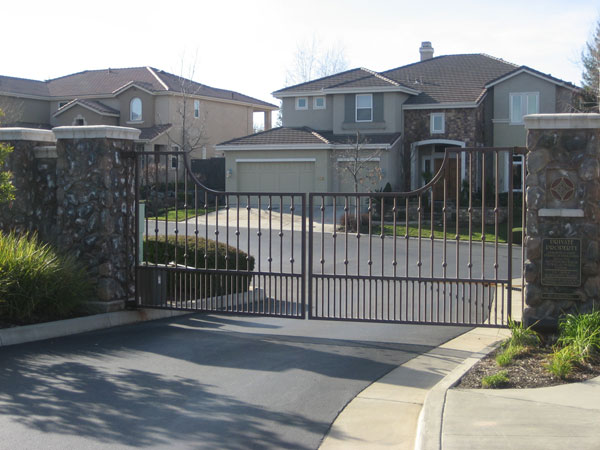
{"x": 49, "y": 330}
{"x": 429, "y": 425}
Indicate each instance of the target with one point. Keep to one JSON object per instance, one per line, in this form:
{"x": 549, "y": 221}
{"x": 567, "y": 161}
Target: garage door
{"x": 277, "y": 176}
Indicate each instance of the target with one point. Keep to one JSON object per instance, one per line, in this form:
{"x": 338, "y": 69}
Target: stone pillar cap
{"x": 26, "y": 134}
{"x": 561, "y": 121}
{"x": 96, "y": 132}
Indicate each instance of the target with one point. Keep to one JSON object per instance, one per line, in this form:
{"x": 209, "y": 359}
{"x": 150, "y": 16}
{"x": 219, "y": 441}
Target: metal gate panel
{"x": 422, "y": 256}
{"x": 206, "y": 250}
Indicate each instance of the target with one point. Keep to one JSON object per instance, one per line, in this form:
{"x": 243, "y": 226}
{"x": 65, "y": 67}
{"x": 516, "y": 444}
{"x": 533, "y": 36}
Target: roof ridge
{"x": 378, "y": 75}
{"x": 316, "y": 134}
{"x": 163, "y": 84}
{"x": 316, "y": 79}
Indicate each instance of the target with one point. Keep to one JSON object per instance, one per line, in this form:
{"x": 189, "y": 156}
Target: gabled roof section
{"x": 180, "y": 84}
{"x": 450, "y": 78}
{"x": 280, "y": 135}
{"x": 150, "y": 133}
{"x": 109, "y": 82}
{"x": 92, "y": 105}
{"x": 308, "y": 136}
{"x": 23, "y": 86}
{"x": 326, "y": 82}
{"x": 535, "y": 73}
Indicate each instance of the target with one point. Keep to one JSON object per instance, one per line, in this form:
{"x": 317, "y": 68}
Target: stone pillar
{"x": 96, "y": 206}
{"x": 562, "y": 270}
{"x": 33, "y": 165}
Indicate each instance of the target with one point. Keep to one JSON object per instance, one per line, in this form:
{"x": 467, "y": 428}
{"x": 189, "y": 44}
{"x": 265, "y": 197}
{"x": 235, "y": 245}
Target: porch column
{"x": 268, "y": 120}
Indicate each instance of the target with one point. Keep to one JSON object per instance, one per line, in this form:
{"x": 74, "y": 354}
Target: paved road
{"x": 197, "y": 381}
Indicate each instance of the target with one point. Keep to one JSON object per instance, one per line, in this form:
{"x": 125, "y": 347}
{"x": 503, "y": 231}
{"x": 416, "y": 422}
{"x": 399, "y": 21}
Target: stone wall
{"x": 461, "y": 124}
{"x": 33, "y": 164}
{"x": 563, "y": 202}
{"x": 80, "y": 196}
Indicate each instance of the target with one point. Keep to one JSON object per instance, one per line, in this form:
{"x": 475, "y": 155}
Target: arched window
{"x": 135, "y": 110}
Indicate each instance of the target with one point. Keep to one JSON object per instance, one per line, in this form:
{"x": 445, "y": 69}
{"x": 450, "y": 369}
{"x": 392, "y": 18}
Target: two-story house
{"x": 406, "y": 117}
{"x": 171, "y": 111}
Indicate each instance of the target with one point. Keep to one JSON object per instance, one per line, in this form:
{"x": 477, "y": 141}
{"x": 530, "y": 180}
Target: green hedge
{"x": 37, "y": 284}
{"x": 165, "y": 250}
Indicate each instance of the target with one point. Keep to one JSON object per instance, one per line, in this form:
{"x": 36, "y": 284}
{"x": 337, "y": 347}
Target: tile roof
{"x": 443, "y": 79}
{"x": 329, "y": 82}
{"x": 99, "y": 107}
{"x": 450, "y": 78}
{"x": 107, "y": 81}
{"x": 308, "y": 136}
{"x": 23, "y": 86}
{"x": 151, "y": 133}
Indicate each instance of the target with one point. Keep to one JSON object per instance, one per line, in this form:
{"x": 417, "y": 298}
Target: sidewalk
{"x": 386, "y": 414}
{"x": 558, "y": 417}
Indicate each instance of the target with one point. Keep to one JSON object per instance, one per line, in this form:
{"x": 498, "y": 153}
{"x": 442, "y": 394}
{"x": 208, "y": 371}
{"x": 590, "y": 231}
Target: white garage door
{"x": 276, "y": 176}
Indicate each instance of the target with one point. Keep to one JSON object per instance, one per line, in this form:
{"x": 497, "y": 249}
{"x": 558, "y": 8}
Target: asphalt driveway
{"x": 197, "y": 381}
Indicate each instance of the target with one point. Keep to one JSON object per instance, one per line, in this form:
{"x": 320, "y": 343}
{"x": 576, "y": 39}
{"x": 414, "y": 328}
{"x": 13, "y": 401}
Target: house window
{"x": 79, "y": 122}
{"x": 196, "y": 108}
{"x": 135, "y": 110}
{"x": 61, "y": 104}
{"x": 319, "y": 103}
{"x": 301, "y": 103}
{"x": 438, "y": 123}
{"x": 175, "y": 158}
{"x": 523, "y": 103}
{"x": 364, "y": 107}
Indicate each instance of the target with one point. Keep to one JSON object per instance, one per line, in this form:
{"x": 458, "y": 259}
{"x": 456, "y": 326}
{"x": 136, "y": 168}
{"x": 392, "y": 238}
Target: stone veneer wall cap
{"x": 26, "y": 134}
{"x": 561, "y": 121}
{"x": 96, "y": 132}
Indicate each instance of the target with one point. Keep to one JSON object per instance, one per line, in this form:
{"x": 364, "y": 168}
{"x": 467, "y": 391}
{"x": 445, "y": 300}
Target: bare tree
{"x": 360, "y": 165}
{"x": 313, "y": 60}
{"x": 590, "y": 59}
{"x": 192, "y": 119}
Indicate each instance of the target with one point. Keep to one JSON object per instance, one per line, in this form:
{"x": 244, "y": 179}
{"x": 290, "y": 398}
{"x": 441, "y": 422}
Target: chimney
{"x": 426, "y": 50}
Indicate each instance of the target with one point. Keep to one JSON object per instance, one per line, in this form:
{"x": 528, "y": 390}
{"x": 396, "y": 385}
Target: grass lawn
{"x": 438, "y": 232}
{"x": 179, "y": 215}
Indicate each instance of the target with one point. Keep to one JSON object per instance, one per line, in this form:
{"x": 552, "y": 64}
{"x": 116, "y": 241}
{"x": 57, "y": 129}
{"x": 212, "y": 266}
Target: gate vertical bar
{"x": 307, "y": 264}
{"x": 509, "y": 227}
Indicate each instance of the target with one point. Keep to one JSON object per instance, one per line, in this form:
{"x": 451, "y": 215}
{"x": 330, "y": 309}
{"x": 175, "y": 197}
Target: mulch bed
{"x": 527, "y": 371}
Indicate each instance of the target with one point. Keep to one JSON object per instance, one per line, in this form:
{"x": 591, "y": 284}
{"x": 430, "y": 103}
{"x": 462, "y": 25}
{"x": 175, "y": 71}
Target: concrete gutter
{"x": 49, "y": 330}
{"x": 429, "y": 427}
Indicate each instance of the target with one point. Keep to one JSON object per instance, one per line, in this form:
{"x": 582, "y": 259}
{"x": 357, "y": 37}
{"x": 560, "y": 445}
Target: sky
{"x": 247, "y": 46}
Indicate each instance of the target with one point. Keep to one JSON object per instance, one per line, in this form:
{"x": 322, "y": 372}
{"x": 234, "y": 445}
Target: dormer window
{"x": 438, "y": 123}
{"x": 301, "y": 103}
{"x": 364, "y": 107}
{"x": 319, "y": 103}
{"x": 135, "y": 110}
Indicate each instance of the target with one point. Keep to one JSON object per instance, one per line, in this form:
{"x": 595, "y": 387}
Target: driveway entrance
{"x": 197, "y": 381}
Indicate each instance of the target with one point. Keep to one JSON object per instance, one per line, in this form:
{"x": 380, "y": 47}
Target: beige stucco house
{"x": 407, "y": 115}
{"x": 173, "y": 113}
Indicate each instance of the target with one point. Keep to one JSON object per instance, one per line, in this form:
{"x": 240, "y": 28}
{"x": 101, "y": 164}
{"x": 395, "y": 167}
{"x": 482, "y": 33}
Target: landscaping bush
{"x": 350, "y": 220}
{"x": 495, "y": 381}
{"x": 37, "y": 284}
{"x": 167, "y": 250}
{"x": 581, "y": 332}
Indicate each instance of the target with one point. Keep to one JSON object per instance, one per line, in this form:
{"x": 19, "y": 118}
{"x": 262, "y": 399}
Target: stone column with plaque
{"x": 562, "y": 271}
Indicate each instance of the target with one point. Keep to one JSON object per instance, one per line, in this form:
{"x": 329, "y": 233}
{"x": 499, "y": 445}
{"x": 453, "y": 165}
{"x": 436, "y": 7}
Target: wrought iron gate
{"x": 441, "y": 254}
